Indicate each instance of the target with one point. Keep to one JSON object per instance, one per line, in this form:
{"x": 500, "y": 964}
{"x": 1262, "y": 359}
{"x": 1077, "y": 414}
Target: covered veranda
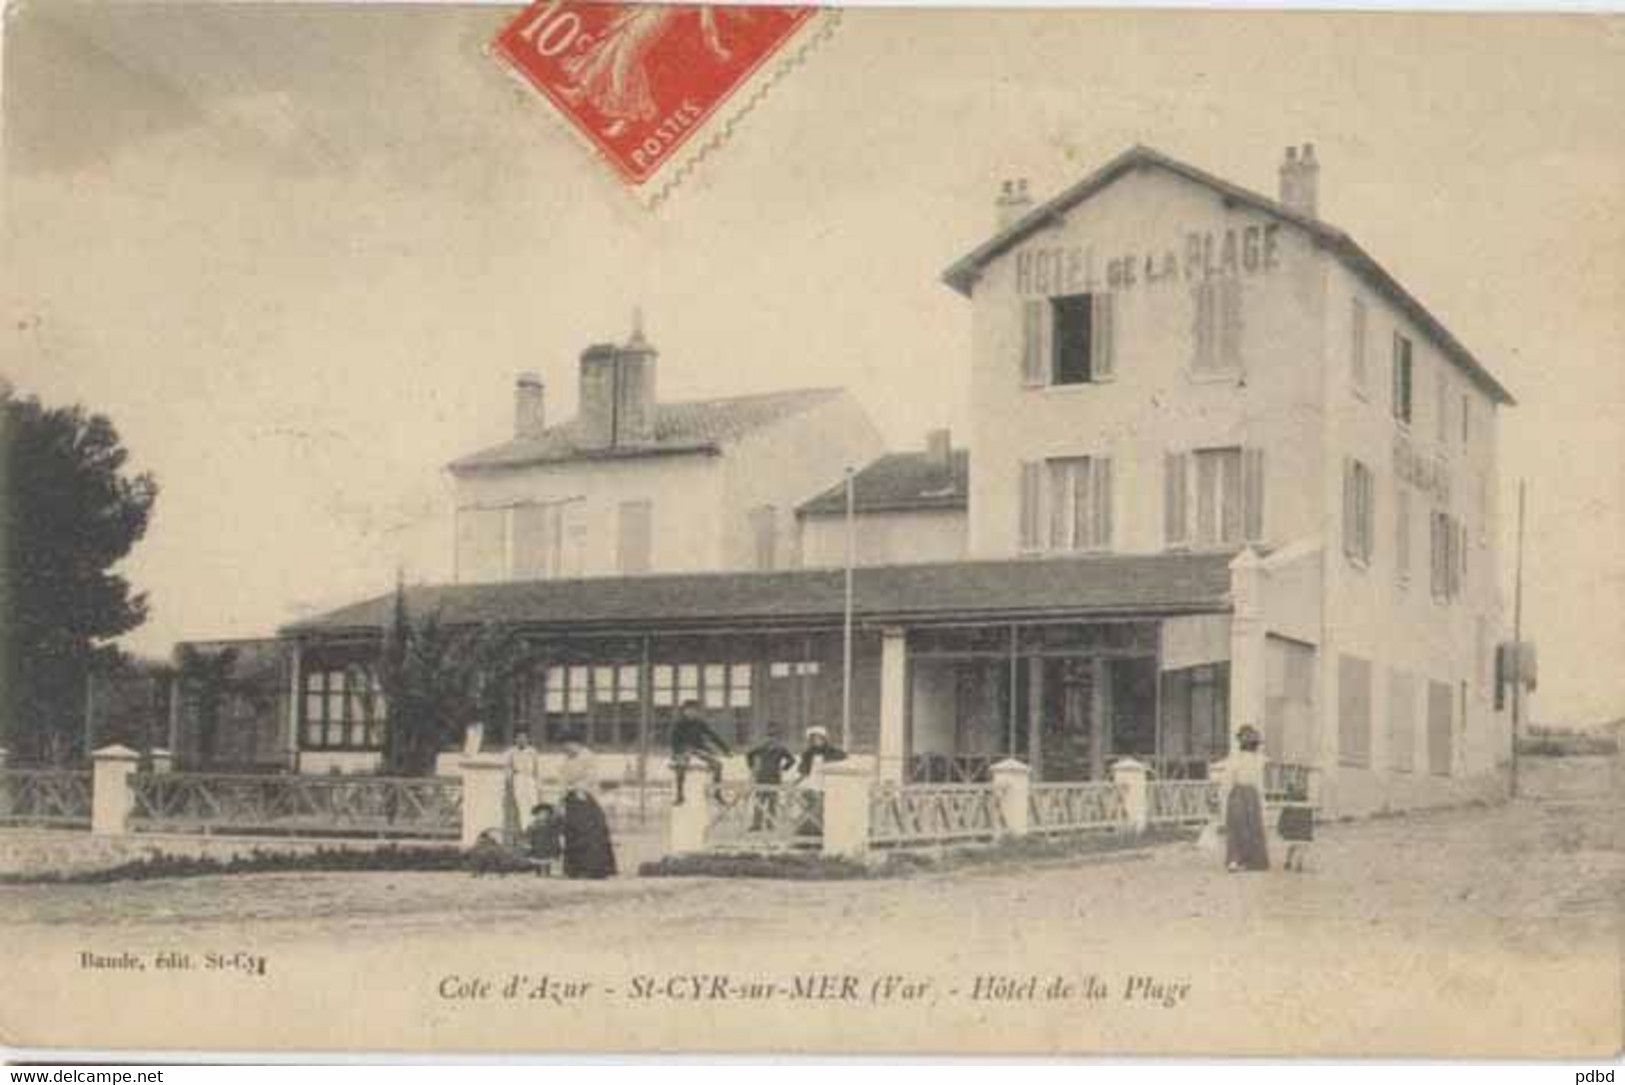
{"x": 1065, "y": 663}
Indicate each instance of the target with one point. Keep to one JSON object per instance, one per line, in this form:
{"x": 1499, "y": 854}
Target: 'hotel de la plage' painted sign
{"x": 1249, "y": 250}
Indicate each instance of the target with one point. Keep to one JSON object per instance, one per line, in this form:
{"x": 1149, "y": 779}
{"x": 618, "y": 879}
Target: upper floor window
{"x": 546, "y": 540}
{"x": 1448, "y": 536}
{"x": 1080, "y": 503}
{"x": 1217, "y": 335}
{"x": 1402, "y": 378}
{"x": 1214, "y": 497}
{"x": 1466, "y": 417}
{"x": 1068, "y": 340}
{"x": 1359, "y": 511}
{"x": 1075, "y": 493}
{"x": 1359, "y": 370}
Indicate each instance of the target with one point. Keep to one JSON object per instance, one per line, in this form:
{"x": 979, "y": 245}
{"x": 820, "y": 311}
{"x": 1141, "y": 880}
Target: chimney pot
{"x": 529, "y": 406}
{"x": 1012, "y": 203}
{"x": 1300, "y": 181}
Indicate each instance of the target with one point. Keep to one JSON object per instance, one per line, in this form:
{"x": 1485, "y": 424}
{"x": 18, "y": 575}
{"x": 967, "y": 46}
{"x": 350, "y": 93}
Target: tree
{"x": 207, "y": 679}
{"x": 69, "y": 512}
{"x": 437, "y": 680}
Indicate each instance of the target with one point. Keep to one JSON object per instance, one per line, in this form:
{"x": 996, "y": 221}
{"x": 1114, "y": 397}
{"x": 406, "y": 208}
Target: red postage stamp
{"x": 644, "y": 81}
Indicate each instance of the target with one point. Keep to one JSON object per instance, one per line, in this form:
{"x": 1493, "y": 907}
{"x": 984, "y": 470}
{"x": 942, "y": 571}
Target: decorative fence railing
{"x": 48, "y": 797}
{"x": 934, "y": 814}
{"x": 935, "y": 768}
{"x": 1069, "y": 808}
{"x": 1181, "y": 802}
{"x": 296, "y": 805}
{"x": 753, "y": 817}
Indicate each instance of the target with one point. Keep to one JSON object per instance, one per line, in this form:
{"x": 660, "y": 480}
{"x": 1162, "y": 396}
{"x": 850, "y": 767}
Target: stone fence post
{"x": 110, "y": 797}
{"x": 162, "y": 760}
{"x": 1012, "y": 783}
{"x": 846, "y": 810}
{"x": 689, "y": 820}
{"x": 2, "y": 757}
{"x": 485, "y": 780}
{"x": 1130, "y": 775}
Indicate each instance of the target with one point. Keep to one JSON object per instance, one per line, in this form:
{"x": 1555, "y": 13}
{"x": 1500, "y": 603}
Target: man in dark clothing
{"x": 693, "y": 740}
{"x": 768, "y": 760}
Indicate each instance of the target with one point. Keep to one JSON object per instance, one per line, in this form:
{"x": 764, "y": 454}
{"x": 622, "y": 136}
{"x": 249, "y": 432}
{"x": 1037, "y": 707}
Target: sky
{"x": 298, "y": 252}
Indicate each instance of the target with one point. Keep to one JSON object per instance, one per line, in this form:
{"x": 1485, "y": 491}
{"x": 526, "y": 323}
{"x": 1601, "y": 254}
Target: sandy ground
{"x": 1490, "y": 931}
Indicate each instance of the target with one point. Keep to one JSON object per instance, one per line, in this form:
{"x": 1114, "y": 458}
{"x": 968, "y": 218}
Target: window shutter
{"x": 1103, "y": 503}
{"x": 1034, "y": 327}
{"x": 1060, "y": 488}
{"x": 764, "y": 523}
{"x": 1230, "y": 323}
{"x": 1231, "y": 519}
{"x": 1027, "y": 530}
{"x": 1368, "y": 513}
{"x": 1103, "y": 338}
{"x": 1202, "y": 333}
{"x": 1357, "y": 360}
{"x": 1396, "y": 380}
{"x": 635, "y": 517}
{"x": 1350, "y": 511}
{"x": 1252, "y": 494}
{"x": 1463, "y": 528}
{"x": 1176, "y": 528}
{"x": 1081, "y": 488}
{"x": 1402, "y": 531}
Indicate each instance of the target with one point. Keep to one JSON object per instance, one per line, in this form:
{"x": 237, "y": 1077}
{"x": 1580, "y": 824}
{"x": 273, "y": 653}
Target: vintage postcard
{"x": 599, "y": 527}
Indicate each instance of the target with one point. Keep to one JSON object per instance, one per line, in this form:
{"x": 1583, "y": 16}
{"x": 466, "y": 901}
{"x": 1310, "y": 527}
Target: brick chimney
{"x": 1013, "y": 202}
{"x": 635, "y": 392}
{"x": 596, "y": 414}
{"x": 529, "y": 406}
{"x": 618, "y": 391}
{"x": 1300, "y": 180}
{"x": 939, "y": 449}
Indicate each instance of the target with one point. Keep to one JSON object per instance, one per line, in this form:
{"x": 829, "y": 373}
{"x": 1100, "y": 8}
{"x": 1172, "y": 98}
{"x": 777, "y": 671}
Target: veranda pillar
{"x": 1248, "y": 666}
{"x": 893, "y": 704}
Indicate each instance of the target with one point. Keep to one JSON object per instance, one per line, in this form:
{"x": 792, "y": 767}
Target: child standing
{"x": 544, "y": 838}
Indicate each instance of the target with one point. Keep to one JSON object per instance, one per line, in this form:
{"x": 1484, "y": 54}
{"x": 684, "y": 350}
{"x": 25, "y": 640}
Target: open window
{"x": 1068, "y": 340}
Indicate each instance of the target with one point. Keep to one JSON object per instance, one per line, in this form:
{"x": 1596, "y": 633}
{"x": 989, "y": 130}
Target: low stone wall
{"x": 31, "y": 852}
{"x": 1362, "y": 793}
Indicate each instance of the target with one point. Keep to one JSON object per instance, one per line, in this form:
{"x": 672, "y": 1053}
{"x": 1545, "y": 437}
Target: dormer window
{"x": 1068, "y": 340}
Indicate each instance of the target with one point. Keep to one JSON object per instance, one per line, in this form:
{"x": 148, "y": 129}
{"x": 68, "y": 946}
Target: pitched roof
{"x": 963, "y": 273}
{"x": 899, "y": 482}
{"x": 694, "y": 426}
{"x": 1009, "y": 589}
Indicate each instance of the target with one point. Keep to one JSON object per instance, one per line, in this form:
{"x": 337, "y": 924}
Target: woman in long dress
{"x": 1245, "y": 847}
{"x": 588, "y": 850}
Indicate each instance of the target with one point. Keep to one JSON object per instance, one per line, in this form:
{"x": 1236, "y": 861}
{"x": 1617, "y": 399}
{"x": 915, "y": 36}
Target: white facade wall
{"x": 885, "y": 538}
{"x": 1155, "y": 403}
{"x": 685, "y": 493}
{"x": 1371, "y": 614}
{"x": 784, "y": 465}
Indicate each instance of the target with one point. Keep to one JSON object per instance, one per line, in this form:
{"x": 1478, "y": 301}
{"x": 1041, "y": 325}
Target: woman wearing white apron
{"x": 524, "y": 779}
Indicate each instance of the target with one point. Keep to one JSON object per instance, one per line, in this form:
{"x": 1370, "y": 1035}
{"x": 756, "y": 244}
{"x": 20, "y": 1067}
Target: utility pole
{"x": 846, "y": 625}
{"x": 1517, "y": 644}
